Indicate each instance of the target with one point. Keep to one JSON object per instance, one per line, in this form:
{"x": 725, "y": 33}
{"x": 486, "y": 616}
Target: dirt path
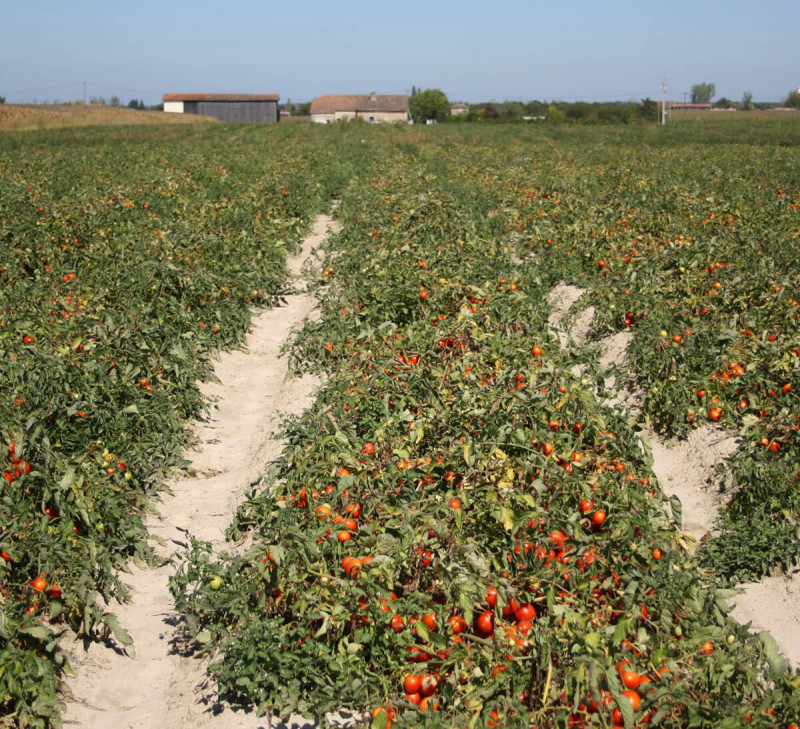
{"x": 687, "y": 469}
{"x": 159, "y": 688}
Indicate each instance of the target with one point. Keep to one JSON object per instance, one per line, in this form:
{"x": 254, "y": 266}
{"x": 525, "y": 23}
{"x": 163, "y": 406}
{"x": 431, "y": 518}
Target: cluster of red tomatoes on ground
{"x": 18, "y": 467}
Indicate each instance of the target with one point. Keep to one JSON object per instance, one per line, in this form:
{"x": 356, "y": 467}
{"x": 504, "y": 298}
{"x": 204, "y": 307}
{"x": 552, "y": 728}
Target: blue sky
{"x": 598, "y": 50}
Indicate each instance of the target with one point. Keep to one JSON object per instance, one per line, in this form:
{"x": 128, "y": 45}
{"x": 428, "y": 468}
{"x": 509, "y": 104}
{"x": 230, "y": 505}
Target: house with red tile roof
{"x": 372, "y": 107}
{"x": 225, "y": 107}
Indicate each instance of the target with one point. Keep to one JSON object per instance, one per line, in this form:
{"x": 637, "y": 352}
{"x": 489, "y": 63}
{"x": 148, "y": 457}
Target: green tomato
{"x": 215, "y": 582}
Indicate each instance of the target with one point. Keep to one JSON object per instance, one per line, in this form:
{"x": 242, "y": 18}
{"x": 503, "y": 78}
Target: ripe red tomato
{"x": 509, "y": 609}
{"x": 426, "y": 704}
{"x": 524, "y": 627}
{"x": 526, "y": 612}
{"x": 634, "y": 698}
{"x": 455, "y": 504}
{"x": 412, "y": 683}
{"x": 586, "y": 505}
{"x": 715, "y": 413}
{"x": 491, "y": 597}
{"x": 484, "y": 623}
{"x": 598, "y": 518}
{"x": 389, "y": 712}
{"x": 630, "y": 679}
{"x": 39, "y": 584}
{"x": 457, "y": 624}
{"x": 428, "y": 685}
{"x": 354, "y": 567}
{"x": 368, "y": 449}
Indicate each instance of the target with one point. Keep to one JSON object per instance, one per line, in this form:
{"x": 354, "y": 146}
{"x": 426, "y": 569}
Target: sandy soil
{"x": 157, "y": 687}
{"x": 688, "y": 469}
{"x": 561, "y": 299}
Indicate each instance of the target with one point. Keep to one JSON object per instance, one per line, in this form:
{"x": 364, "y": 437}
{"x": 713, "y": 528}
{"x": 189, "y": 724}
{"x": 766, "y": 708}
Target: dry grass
{"x": 19, "y": 117}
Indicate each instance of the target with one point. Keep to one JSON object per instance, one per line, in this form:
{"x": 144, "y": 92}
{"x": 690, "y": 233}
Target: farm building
{"x": 226, "y": 107}
{"x": 459, "y": 109}
{"x": 676, "y": 106}
{"x": 372, "y": 107}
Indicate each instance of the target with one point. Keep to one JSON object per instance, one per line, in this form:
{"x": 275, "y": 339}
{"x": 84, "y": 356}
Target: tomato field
{"x": 465, "y": 529}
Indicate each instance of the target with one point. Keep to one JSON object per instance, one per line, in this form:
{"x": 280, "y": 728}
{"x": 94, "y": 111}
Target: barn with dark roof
{"x": 372, "y": 107}
{"x": 226, "y": 107}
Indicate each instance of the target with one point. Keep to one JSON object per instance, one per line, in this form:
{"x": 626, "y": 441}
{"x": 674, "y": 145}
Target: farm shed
{"x": 226, "y": 107}
{"x": 459, "y": 109}
{"x": 372, "y": 107}
{"x": 677, "y": 106}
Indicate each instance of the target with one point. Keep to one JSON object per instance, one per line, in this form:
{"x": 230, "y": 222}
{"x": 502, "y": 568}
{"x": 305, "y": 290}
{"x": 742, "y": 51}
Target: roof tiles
{"x": 332, "y": 103}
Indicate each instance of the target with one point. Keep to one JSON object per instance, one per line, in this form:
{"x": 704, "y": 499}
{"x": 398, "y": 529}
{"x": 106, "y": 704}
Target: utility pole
{"x": 684, "y": 102}
{"x": 84, "y": 93}
{"x": 663, "y": 102}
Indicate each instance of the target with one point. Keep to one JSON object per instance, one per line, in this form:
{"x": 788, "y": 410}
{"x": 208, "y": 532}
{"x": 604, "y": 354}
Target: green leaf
{"x": 67, "y": 479}
{"x": 772, "y": 653}
{"x": 469, "y": 456}
{"x": 36, "y": 631}
{"x": 677, "y": 510}
{"x": 506, "y": 518}
{"x": 120, "y": 634}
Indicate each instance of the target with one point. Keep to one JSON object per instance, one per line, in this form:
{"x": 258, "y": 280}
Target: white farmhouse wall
{"x": 176, "y": 107}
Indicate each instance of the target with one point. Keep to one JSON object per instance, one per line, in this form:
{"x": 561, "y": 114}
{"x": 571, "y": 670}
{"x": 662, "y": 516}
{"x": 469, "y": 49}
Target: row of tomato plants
{"x": 693, "y": 250}
{"x": 460, "y": 531}
{"x": 127, "y": 258}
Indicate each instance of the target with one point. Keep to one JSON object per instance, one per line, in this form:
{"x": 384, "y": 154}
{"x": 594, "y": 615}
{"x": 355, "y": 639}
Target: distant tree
{"x": 157, "y": 107}
{"x": 649, "y": 109}
{"x": 703, "y": 93}
{"x": 554, "y": 114}
{"x": 724, "y": 103}
{"x": 535, "y": 108}
{"x": 133, "y": 104}
{"x": 747, "y": 100}
{"x": 793, "y": 99}
{"x": 114, "y": 101}
{"x": 513, "y": 110}
{"x": 578, "y": 110}
{"x": 413, "y": 91}
{"x": 303, "y": 109}
{"x": 430, "y": 104}
{"x": 2, "y": 99}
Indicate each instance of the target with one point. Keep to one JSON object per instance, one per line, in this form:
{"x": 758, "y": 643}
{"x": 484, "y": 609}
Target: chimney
{"x": 372, "y": 96}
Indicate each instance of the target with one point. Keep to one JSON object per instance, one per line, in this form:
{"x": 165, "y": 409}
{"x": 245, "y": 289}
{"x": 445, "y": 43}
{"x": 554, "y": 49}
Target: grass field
{"x": 21, "y": 117}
